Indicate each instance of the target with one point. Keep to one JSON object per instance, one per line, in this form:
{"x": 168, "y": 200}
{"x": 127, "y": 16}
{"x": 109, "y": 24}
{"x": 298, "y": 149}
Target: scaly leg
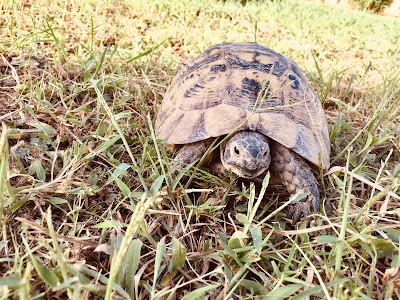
{"x": 297, "y": 177}
{"x": 189, "y": 153}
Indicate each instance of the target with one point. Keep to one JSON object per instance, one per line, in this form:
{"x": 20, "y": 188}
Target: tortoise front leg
{"x": 189, "y": 153}
{"x": 297, "y": 177}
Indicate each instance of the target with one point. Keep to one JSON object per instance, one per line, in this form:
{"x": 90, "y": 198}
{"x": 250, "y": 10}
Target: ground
{"x": 88, "y": 207}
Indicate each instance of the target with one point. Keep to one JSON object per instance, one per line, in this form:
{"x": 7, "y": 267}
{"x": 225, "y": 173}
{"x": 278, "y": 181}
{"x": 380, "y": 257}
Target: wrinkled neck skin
{"x": 246, "y": 153}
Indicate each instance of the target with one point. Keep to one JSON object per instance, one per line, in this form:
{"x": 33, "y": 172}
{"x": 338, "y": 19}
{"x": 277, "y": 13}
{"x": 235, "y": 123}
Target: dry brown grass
{"x": 80, "y": 83}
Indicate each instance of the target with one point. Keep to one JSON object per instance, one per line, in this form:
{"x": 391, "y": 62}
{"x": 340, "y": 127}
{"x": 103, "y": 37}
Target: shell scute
{"x": 245, "y": 86}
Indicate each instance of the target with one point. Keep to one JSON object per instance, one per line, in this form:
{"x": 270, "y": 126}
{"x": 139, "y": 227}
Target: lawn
{"x": 88, "y": 207}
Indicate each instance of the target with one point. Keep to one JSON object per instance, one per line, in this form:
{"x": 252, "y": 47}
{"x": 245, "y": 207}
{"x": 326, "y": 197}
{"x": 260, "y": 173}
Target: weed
{"x": 88, "y": 206}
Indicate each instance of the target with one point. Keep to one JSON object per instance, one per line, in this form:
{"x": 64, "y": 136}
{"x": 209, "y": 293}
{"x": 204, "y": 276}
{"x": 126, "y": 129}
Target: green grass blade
{"x": 157, "y": 264}
{"x": 46, "y": 274}
{"x": 133, "y": 259}
{"x": 3, "y": 166}
{"x": 198, "y": 293}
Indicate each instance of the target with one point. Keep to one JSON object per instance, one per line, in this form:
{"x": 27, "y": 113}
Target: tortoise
{"x": 263, "y": 105}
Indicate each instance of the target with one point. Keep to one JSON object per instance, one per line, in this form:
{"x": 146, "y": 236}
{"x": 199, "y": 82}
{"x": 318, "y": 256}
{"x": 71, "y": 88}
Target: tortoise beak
{"x": 251, "y": 166}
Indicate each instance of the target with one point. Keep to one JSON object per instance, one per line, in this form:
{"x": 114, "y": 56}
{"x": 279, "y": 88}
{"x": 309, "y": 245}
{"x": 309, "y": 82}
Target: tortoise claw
{"x": 303, "y": 209}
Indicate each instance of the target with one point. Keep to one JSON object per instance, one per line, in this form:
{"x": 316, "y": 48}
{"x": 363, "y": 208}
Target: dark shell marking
{"x": 245, "y": 86}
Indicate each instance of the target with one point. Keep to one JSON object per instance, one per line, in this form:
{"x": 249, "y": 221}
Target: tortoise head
{"x": 246, "y": 153}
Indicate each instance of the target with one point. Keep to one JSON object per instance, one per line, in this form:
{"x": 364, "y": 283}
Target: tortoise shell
{"x": 245, "y": 86}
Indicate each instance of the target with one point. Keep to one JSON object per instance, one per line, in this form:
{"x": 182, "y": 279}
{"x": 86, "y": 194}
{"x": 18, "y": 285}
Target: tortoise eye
{"x": 237, "y": 152}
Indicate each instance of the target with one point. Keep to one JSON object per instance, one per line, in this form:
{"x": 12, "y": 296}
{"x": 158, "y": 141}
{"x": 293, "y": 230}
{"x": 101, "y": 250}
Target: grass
{"x": 88, "y": 207}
